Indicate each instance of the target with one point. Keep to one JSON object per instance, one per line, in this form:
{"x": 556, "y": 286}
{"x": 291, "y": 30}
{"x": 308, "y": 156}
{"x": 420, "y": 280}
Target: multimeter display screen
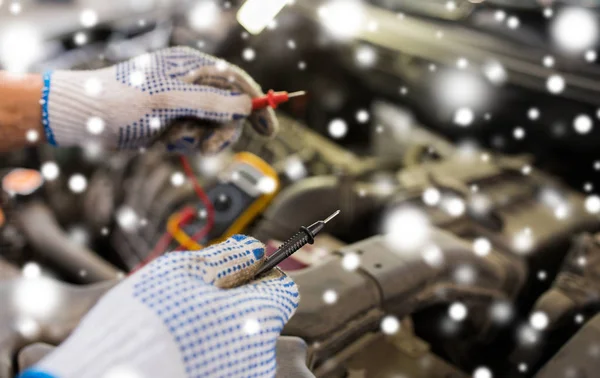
{"x": 252, "y": 179}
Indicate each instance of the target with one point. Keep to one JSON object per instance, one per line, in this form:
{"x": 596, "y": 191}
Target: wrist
{"x": 20, "y": 109}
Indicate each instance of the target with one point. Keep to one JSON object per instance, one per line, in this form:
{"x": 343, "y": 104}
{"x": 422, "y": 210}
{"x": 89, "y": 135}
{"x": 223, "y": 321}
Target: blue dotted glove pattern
{"x": 216, "y": 329}
{"x": 162, "y": 72}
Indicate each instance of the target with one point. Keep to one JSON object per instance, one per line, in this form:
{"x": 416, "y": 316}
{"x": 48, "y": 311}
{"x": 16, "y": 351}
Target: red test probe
{"x": 273, "y": 99}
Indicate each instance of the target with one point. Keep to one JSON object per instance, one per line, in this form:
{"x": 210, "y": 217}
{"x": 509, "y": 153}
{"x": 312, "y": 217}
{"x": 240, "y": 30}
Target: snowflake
{"x": 457, "y": 311}
{"x": 88, "y": 18}
{"x": 337, "y": 128}
{"x": 77, "y": 183}
{"x": 248, "y": 54}
{"x": 350, "y": 261}
{"x": 330, "y": 296}
{"x": 555, "y": 84}
{"x": 390, "y": 325}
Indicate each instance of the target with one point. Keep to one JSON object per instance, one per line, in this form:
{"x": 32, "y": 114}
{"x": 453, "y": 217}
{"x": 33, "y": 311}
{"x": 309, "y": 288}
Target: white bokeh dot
{"x": 137, "y": 78}
{"x": 251, "y": 327}
{"x": 513, "y": 22}
{"x": 390, "y": 325}
{"x": 519, "y": 133}
{"x": 50, "y": 170}
{"x": 127, "y": 218}
{"x": 548, "y": 61}
{"x": 555, "y": 84}
{"x": 267, "y": 185}
{"x": 464, "y": 117}
{"x": 590, "y": 56}
{"x": 155, "y": 123}
{"x": 351, "y": 261}
{"x": 482, "y": 246}
{"x": 95, "y": 125}
{"x": 80, "y": 38}
{"x": 93, "y": 86}
{"x": 500, "y": 15}
{"x": 77, "y": 183}
{"x": 203, "y": 15}
{"x": 221, "y": 65}
{"x": 15, "y": 7}
{"x": 561, "y": 212}
{"x": 431, "y": 196}
{"x": 330, "y": 296}
{"x": 337, "y": 128}
{"x": 542, "y": 275}
{"x": 462, "y": 63}
{"x": 533, "y": 114}
{"x": 592, "y": 204}
{"x": 362, "y": 116}
{"x": 433, "y": 256}
{"x": 32, "y": 136}
{"x": 583, "y": 124}
{"x": 575, "y": 29}
{"x": 539, "y": 320}
{"x": 248, "y": 54}
{"x": 365, "y": 56}
{"x": 482, "y": 372}
{"x": 88, "y": 18}
{"x": 28, "y": 328}
{"x": 457, "y": 311}
{"x": 31, "y": 270}
{"x": 495, "y": 72}
{"x": 455, "y": 206}
{"x": 177, "y": 179}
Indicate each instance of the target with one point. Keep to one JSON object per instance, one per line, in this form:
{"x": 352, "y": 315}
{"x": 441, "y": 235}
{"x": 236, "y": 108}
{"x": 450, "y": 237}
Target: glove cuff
{"x": 34, "y": 373}
{"x": 67, "y": 108}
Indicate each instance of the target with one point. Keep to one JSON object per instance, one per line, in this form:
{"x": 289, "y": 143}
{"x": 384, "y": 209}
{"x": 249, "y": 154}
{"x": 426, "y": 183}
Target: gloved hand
{"x": 128, "y": 105}
{"x": 173, "y": 318}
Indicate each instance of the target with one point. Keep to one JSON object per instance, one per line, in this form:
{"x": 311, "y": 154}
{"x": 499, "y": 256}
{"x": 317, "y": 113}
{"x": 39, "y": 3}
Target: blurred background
{"x": 459, "y": 138}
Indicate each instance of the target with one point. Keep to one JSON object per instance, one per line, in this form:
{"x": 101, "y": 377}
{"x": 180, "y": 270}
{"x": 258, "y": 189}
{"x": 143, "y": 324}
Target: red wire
{"x": 158, "y": 250}
{"x": 210, "y": 210}
{"x": 166, "y": 239}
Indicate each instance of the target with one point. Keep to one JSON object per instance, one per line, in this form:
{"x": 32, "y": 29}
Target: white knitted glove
{"x": 132, "y": 103}
{"x": 172, "y": 319}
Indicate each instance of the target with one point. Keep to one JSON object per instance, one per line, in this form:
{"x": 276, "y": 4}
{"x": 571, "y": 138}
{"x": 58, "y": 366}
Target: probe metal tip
{"x": 296, "y": 94}
{"x": 331, "y": 216}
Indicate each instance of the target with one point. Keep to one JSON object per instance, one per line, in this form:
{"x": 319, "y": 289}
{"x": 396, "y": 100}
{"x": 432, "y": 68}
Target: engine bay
{"x": 467, "y": 242}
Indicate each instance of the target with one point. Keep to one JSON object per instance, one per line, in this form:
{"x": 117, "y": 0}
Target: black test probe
{"x": 306, "y": 235}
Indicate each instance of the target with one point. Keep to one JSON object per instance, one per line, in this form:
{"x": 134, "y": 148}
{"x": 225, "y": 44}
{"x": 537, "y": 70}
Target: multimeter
{"x": 242, "y": 192}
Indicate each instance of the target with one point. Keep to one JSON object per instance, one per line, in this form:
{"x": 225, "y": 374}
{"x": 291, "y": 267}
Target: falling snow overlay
{"x": 458, "y": 138}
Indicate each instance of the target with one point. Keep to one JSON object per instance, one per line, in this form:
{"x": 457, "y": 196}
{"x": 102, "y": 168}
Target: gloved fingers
{"x": 204, "y": 102}
{"x": 190, "y": 137}
{"x": 180, "y": 60}
{"x": 230, "y": 263}
{"x": 280, "y": 293}
{"x": 228, "y": 76}
{"x": 215, "y": 141}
